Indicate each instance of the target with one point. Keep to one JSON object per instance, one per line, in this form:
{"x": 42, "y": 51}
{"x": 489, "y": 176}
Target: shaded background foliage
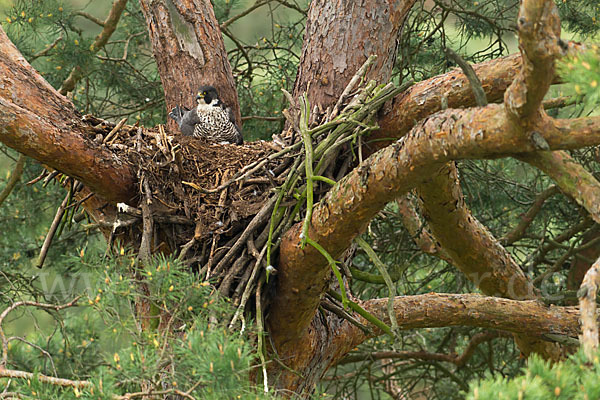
{"x": 121, "y": 80}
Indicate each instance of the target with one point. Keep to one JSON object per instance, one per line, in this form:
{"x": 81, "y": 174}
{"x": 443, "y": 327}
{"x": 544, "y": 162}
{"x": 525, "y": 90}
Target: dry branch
{"x": 15, "y": 176}
{"x": 518, "y": 231}
{"x": 109, "y": 26}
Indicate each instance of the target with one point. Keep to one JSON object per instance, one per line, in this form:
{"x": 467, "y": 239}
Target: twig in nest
{"x": 351, "y": 85}
{"x": 246, "y": 171}
{"x": 185, "y": 248}
{"x": 258, "y": 220}
{"x": 248, "y": 289}
{"x": 41, "y": 176}
{"x": 48, "y": 178}
{"x": 114, "y": 131}
{"x": 218, "y": 214}
{"x": 138, "y": 140}
{"x": 232, "y": 273}
{"x": 147, "y": 222}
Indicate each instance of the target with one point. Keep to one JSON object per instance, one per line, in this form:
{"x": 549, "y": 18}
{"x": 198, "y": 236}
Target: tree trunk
{"x": 189, "y": 50}
{"x": 36, "y": 120}
{"x": 340, "y": 36}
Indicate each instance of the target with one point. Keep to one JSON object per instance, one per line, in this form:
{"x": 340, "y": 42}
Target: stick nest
{"x": 223, "y": 209}
{"x": 208, "y": 189}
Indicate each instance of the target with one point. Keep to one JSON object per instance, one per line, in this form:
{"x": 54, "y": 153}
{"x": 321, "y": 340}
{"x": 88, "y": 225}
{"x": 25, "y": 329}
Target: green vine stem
{"x": 386, "y": 277}
{"x": 364, "y": 313}
{"x": 308, "y": 165}
{"x": 334, "y": 268}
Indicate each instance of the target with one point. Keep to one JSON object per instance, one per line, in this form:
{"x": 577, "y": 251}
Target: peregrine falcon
{"x": 210, "y": 120}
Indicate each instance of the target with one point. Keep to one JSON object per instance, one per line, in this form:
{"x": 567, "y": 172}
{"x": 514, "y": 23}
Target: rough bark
{"x": 340, "y": 36}
{"x": 475, "y": 251}
{"x": 528, "y": 317}
{"x": 189, "y": 50}
{"x": 524, "y": 318}
{"x": 486, "y": 132}
{"x": 40, "y": 123}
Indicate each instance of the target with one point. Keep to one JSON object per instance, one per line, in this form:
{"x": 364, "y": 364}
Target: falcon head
{"x": 207, "y": 95}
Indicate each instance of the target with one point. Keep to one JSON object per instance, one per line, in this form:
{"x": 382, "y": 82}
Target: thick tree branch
{"x": 418, "y": 229}
{"x": 435, "y": 310}
{"x": 474, "y": 250}
{"x": 425, "y": 98}
{"x": 572, "y": 179}
{"x": 539, "y": 35}
{"x": 486, "y": 132}
{"x": 40, "y": 123}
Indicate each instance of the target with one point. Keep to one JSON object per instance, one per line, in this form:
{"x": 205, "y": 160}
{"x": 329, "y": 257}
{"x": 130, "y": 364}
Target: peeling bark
{"x": 189, "y": 50}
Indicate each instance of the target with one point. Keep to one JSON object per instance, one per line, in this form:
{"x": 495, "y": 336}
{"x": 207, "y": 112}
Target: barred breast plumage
{"x": 209, "y": 120}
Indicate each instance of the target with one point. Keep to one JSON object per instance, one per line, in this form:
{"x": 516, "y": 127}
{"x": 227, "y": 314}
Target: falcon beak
{"x": 199, "y": 96}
